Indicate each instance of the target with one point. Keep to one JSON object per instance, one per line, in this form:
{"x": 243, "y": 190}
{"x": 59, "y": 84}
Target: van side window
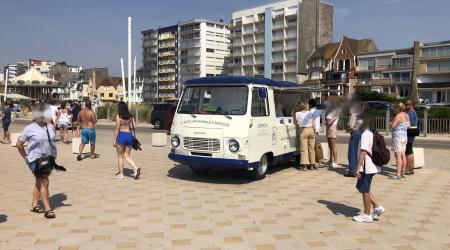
{"x": 260, "y": 107}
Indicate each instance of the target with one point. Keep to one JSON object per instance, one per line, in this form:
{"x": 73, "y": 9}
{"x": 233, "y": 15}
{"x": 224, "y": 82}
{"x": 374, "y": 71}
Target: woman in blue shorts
{"x": 123, "y": 141}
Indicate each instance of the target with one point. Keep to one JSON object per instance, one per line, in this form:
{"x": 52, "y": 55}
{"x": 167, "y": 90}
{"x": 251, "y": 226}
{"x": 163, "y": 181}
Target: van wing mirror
{"x": 262, "y": 93}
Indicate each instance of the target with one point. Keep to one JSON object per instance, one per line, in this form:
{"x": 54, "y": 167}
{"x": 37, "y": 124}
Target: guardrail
{"x": 425, "y": 124}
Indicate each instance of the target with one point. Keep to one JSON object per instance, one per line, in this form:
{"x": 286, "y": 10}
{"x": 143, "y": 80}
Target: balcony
{"x": 166, "y": 54}
{"x": 167, "y": 45}
{"x": 400, "y": 66}
{"x": 167, "y": 79}
{"x": 167, "y": 62}
{"x": 166, "y": 71}
{"x": 167, "y": 37}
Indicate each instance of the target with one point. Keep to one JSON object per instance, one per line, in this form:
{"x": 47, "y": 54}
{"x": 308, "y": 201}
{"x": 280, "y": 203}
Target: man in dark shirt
{"x": 75, "y": 111}
{"x": 413, "y": 119}
{"x": 6, "y": 121}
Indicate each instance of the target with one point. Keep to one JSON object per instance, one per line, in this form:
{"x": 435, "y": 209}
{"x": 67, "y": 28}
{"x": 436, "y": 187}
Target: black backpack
{"x": 380, "y": 154}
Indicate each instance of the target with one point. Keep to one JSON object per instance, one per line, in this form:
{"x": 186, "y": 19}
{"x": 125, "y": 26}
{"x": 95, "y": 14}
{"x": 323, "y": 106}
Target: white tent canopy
{"x": 16, "y": 96}
{"x": 32, "y": 75}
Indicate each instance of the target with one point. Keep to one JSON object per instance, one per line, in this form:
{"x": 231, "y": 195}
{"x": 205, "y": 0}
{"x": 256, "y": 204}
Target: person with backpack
{"x": 372, "y": 153}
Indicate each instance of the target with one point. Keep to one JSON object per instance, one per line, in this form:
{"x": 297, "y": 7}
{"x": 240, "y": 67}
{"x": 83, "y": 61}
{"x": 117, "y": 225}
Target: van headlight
{"x": 233, "y": 145}
{"x": 175, "y": 141}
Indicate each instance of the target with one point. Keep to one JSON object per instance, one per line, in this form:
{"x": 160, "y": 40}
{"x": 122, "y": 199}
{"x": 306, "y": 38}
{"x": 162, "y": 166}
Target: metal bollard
{"x": 108, "y": 113}
{"x": 388, "y": 119}
{"x": 425, "y": 123}
{"x": 137, "y": 114}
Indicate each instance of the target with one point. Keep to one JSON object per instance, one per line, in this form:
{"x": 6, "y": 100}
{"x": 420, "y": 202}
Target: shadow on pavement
{"x": 57, "y": 200}
{"x": 340, "y": 209}
{"x": 183, "y": 172}
{"x": 3, "y": 218}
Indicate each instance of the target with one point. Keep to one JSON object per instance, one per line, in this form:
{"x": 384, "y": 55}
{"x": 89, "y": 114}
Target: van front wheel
{"x": 260, "y": 172}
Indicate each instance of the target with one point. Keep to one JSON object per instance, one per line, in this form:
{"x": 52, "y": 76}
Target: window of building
{"x": 260, "y": 107}
{"x": 102, "y": 94}
{"x": 183, "y": 61}
{"x": 183, "y": 53}
{"x": 209, "y": 50}
{"x": 210, "y": 25}
{"x": 340, "y": 65}
{"x": 386, "y": 76}
{"x": 343, "y": 51}
{"x": 375, "y": 75}
{"x": 347, "y": 64}
{"x": 384, "y": 61}
{"x": 110, "y": 94}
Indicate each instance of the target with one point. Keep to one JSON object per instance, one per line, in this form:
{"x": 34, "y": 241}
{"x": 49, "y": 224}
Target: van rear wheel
{"x": 259, "y": 172}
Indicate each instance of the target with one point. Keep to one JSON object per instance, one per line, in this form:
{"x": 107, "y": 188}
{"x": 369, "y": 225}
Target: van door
{"x": 260, "y": 134}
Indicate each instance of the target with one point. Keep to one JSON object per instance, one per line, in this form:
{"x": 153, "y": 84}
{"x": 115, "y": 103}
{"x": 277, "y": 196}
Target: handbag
{"x": 45, "y": 165}
{"x": 413, "y": 131}
{"x": 136, "y": 145}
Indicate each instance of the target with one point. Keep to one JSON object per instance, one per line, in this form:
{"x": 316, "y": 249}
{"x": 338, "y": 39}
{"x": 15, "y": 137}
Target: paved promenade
{"x": 170, "y": 208}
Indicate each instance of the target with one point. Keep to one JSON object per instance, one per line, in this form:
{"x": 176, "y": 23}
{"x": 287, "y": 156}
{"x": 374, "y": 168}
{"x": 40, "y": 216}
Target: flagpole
{"x": 123, "y": 79}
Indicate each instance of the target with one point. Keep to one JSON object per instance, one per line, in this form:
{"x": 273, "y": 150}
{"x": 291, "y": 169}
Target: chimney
{"x": 415, "y": 71}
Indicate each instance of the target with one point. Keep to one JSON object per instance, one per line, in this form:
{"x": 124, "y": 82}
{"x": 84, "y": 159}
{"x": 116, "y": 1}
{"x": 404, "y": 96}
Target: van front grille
{"x": 201, "y": 144}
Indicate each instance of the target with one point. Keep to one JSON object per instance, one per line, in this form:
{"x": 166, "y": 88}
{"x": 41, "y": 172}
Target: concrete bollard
{"x": 419, "y": 157}
{"x": 325, "y": 150}
{"x": 76, "y": 146}
{"x": 159, "y": 139}
{"x": 14, "y": 138}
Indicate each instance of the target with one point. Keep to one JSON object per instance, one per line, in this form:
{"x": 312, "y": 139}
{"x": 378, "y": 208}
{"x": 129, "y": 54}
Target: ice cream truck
{"x": 236, "y": 122}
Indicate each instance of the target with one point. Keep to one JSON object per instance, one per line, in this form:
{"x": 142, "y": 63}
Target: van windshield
{"x": 220, "y": 100}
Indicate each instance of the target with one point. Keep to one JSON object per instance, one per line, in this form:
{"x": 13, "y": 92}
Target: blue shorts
{"x": 125, "y": 138}
{"x": 363, "y": 184}
{"x": 5, "y": 125}
{"x": 88, "y": 136}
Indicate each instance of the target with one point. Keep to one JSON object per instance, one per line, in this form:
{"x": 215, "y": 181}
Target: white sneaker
{"x": 334, "y": 165}
{"x": 119, "y": 176}
{"x": 363, "y": 218}
{"x": 377, "y": 212}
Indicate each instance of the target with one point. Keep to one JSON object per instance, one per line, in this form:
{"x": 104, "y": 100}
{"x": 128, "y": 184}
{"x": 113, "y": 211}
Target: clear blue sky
{"x": 94, "y": 32}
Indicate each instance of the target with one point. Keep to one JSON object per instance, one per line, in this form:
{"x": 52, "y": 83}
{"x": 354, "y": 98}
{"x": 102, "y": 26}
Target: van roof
{"x": 240, "y": 80}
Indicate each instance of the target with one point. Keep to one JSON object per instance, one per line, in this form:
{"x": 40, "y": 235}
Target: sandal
{"x": 95, "y": 156}
{"x": 138, "y": 173}
{"x": 37, "y": 210}
{"x": 79, "y": 158}
{"x": 49, "y": 214}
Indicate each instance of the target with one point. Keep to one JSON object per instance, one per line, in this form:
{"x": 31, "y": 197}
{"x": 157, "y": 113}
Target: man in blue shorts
{"x": 87, "y": 120}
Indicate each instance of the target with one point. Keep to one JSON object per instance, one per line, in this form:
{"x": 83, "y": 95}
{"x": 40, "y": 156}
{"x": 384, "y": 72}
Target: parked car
{"x": 159, "y": 115}
{"x": 168, "y": 118}
{"x": 380, "y": 105}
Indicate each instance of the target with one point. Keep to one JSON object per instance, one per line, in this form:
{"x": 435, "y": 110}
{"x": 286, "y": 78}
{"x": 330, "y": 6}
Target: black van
{"x": 159, "y": 113}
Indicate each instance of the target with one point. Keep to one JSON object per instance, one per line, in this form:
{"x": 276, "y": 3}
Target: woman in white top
{"x": 63, "y": 121}
{"x": 306, "y": 122}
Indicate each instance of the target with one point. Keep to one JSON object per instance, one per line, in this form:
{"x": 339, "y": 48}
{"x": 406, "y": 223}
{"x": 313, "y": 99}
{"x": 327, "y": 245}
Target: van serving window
{"x": 260, "y": 107}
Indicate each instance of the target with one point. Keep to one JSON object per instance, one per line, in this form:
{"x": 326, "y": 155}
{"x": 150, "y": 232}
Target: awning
{"x": 16, "y": 96}
{"x": 434, "y": 85}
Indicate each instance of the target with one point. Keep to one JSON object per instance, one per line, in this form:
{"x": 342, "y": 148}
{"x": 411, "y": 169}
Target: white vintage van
{"x": 236, "y": 122}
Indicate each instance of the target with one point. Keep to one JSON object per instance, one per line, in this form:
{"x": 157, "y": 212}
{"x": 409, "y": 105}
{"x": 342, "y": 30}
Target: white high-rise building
{"x": 203, "y": 48}
{"x": 174, "y": 54}
{"x": 274, "y": 40}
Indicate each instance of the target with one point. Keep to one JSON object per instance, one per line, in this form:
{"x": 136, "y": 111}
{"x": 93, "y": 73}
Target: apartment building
{"x": 421, "y": 72}
{"x": 204, "y": 48}
{"x": 387, "y": 71}
{"x": 333, "y": 65}
{"x": 174, "y": 54}
{"x": 274, "y": 40}
{"x": 433, "y": 73}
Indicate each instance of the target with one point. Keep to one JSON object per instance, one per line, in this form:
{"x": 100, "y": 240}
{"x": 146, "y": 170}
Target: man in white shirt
{"x": 366, "y": 170}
